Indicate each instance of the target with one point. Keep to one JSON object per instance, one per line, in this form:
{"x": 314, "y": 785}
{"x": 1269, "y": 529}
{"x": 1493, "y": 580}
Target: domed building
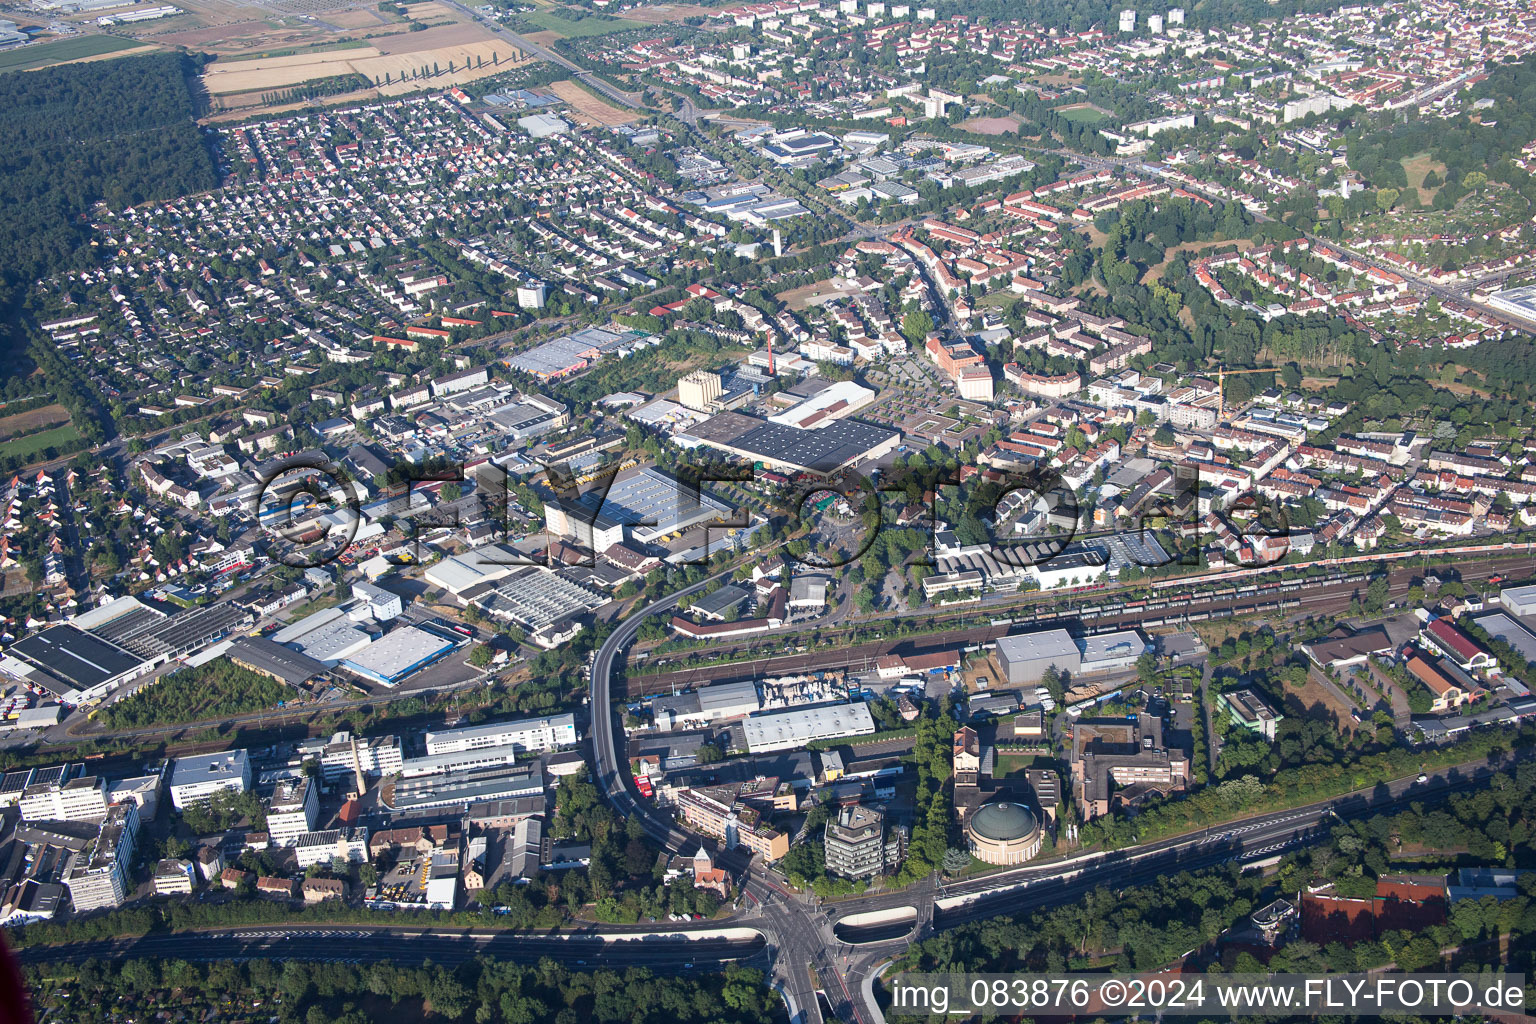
{"x": 1003, "y": 832}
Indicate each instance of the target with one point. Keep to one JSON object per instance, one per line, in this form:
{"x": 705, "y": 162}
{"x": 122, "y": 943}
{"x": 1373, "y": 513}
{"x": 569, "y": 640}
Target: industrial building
{"x": 381, "y": 604}
{"x": 719, "y": 703}
{"x": 542, "y": 603}
{"x": 832, "y": 403}
{"x": 649, "y": 505}
{"x": 821, "y": 452}
{"x": 1111, "y": 652}
{"x": 788, "y": 730}
{"x": 487, "y": 564}
{"x": 581, "y": 524}
{"x": 460, "y": 789}
{"x": 654, "y": 505}
{"x": 87, "y": 665}
{"x": 273, "y": 660}
{"x": 1025, "y": 657}
{"x": 200, "y": 776}
{"x": 461, "y": 760}
{"x": 1502, "y": 627}
{"x": 1519, "y": 600}
{"x": 531, "y": 735}
{"x": 398, "y": 654}
{"x": 1520, "y": 302}
{"x": 699, "y": 390}
{"x": 326, "y": 636}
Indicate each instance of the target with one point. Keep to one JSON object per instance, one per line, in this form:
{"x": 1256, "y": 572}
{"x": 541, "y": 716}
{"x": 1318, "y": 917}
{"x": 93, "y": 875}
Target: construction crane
{"x": 1221, "y": 385}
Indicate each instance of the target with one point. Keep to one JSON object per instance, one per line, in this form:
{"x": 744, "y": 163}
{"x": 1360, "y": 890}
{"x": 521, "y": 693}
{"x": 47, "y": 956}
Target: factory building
{"x": 794, "y": 728}
{"x": 1024, "y": 658}
{"x": 398, "y": 655}
{"x": 718, "y": 703}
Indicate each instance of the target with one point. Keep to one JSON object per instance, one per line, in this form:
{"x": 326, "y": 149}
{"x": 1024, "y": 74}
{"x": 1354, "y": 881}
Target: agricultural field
{"x": 587, "y": 108}
{"x": 396, "y": 63}
{"x": 62, "y": 51}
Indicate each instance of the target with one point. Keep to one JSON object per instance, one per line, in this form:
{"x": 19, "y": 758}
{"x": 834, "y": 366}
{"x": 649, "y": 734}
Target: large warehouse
{"x": 1520, "y": 302}
{"x": 654, "y": 505}
{"x": 716, "y": 703}
{"x": 1519, "y": 600}
{"x": 482, "y": 565}
{"x": 88, "y": 665}
{"x": 1111, "y": 652}
{"x": 1024, "y": 658}
{"x": 821, "y": 452}
{"x": 398, "y": 654}
{"x": 793, "y": 729}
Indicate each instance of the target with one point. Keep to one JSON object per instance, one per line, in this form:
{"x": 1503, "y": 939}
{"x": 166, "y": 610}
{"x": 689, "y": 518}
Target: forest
{"x": 119, "y": 131}
{"x": 481, "y": 990}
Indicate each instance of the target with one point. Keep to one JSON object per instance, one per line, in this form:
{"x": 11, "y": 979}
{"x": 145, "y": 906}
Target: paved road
{"x": 354, "y": 944}
{"x": 525, "y": 44}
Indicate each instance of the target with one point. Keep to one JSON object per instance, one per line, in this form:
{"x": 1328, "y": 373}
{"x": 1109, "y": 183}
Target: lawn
{"x": 551, "y": 22}
{"x": 33, "y": 444}
{"x": 38, "y": 54}
{"x": 1417, "y": 167}
{"x": 1082, "y": 114}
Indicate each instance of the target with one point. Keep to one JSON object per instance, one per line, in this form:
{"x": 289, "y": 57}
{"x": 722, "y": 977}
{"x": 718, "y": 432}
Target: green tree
{"x": 915, "y": 327}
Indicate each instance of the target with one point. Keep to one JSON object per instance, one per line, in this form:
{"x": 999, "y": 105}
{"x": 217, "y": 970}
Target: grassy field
{"x": 32, "y": 445}
{"x": 38, "y": 54}
{"x": 1417, "y": 167}
{"x": 548, "y": 21}
{"x": 1082, "y": 114}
